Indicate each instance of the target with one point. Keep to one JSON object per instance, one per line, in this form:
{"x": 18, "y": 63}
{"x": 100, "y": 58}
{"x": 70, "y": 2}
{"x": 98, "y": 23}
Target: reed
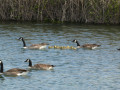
{"x": 83, "y": 11}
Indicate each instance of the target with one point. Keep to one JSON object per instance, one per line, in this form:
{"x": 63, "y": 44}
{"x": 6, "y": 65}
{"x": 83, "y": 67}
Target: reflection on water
{"x": 75, "y": 69}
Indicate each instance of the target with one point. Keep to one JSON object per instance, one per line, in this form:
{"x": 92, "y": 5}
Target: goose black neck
{"x": 1, "y": 70}
{"x": 30, "y": 63}
{"x": 24, "y": 44}
{"x": 77, "y": 43}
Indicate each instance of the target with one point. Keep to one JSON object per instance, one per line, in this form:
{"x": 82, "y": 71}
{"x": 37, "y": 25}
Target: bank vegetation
{"x": 83, "y": 11}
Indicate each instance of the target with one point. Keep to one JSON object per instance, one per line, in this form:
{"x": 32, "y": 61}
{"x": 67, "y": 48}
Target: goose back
{"x": 13, "y": 72}
{"x": 42, "y": 66}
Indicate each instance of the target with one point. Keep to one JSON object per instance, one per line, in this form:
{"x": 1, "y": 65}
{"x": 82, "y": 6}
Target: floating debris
{"x": 62, "y": 47}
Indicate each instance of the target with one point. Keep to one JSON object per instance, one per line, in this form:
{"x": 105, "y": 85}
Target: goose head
{"x": 28, "y": 60}
{"x": 24, "y": 44}
{"x": 1, "y": 67}
{"x": 74, "y": 40}
{"x": 21, "y": 38}
{"x": 0, "y": 61}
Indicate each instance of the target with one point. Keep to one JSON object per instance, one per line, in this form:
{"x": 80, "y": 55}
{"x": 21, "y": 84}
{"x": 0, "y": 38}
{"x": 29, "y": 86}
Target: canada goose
{"x": 88, "y": 46}
{"x": 39, "y": 66}
{"x": 12, "y": 72}
{"x": 33, "y": 46}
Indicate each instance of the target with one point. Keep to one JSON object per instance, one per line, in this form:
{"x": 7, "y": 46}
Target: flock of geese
{"x": 18, "y": 71}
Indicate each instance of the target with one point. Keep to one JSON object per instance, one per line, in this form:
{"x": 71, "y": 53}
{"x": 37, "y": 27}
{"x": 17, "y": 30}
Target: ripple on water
{"x": 79, "y": 69}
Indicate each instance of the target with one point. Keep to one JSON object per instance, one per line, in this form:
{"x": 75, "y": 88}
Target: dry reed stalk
{"x": 84, "y": 11}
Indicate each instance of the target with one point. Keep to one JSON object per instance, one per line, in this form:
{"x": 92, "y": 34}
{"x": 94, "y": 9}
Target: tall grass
{"x": 83, "y": 11}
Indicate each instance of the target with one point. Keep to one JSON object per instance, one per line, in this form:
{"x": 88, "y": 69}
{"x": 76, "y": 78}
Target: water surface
{"x": 79, "y": 69}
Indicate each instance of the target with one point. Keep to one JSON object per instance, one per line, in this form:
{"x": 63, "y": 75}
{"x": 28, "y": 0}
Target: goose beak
{"x": 19, "y": 39}
{"x": 25, "y": 61}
